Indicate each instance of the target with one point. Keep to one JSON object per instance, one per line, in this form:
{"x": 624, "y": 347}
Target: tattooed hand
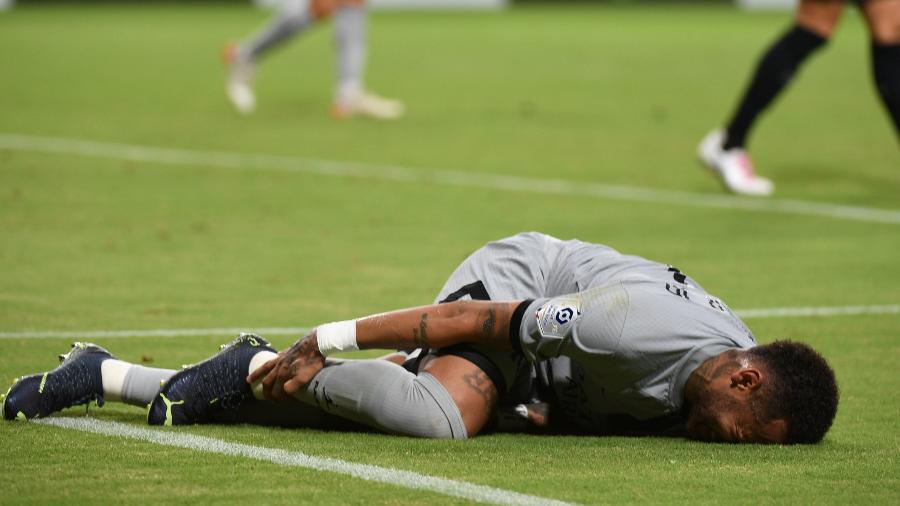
{"x": 291, "y": 370}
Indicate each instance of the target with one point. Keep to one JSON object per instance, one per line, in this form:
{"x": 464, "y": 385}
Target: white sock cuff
{"x": 258, "y": 360}
{"x": 113, "y": 373}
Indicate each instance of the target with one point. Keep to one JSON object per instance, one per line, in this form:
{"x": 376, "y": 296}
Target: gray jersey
{"x": 609, "y": 333}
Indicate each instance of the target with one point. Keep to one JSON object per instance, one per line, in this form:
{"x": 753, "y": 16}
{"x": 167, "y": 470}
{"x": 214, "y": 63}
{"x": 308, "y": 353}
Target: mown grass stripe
{"x": 108, "y": 334}
{"x": 750, "y": 314}
{"x": 234, "y": 160}
{"x": 793, "y": 312}
{"x": 397, "y": 477}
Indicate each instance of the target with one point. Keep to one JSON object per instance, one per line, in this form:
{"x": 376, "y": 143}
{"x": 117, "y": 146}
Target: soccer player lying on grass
{"x": 612, "y": 343}
{"x": 295, "y": 17}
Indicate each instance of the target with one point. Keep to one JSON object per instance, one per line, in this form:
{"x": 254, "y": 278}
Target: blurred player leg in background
{"x": 724, "y": 151}
{"x": 350, "y": 39}
{"x": 883, "y": 18}
{"x": 351, "y": 98}
{"x": 294, "y": 17}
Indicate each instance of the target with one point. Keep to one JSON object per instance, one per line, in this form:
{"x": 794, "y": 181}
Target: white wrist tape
{"x": 336, "y": 336}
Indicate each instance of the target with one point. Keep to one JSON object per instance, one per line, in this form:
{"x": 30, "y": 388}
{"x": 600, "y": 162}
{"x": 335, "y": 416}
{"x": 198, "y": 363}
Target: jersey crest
{"x": 557, "y": 316}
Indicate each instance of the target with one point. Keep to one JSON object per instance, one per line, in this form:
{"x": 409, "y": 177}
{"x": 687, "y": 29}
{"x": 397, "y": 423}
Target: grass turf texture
{"x": 612, "y": 94}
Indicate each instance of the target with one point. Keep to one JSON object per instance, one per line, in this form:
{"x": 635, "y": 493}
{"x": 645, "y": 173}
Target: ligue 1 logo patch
{"x": 555, "y": 318}
{"x": 565, "y": 315}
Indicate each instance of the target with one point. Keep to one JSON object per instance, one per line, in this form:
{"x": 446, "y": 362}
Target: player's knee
{"x": 421, "y": 407}
{"x": 293, "y": 12}
{"x": 322, "y": 9}
{"x": 821, "y": 31}
{"x": 883, "y": 18}
{"x": 820, "y": 17}
{"x": 886, "y": 31}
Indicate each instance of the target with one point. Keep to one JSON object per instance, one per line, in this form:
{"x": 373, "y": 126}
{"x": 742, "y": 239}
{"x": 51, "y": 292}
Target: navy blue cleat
{"x": 211, "y": 391}
{"x": 76, "y": 381}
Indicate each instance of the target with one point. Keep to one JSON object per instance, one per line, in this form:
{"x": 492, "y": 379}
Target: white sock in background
{"x": 350, "y": 42}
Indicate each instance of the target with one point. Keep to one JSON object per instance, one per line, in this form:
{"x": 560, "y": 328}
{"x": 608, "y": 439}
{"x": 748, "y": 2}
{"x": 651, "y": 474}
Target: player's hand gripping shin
{"x": 291, "y": 371}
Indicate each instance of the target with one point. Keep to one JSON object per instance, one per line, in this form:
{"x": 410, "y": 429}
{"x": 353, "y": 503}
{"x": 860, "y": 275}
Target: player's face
{"x": 722, "y": 415}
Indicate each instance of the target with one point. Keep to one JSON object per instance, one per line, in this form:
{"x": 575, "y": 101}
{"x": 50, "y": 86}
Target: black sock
{"x": 775, "y": 70}
{"x": 886, "y": 67}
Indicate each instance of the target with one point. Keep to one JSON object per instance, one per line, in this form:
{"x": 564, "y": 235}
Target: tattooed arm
{"x": 436, "y": 326}
{"x": 439, "y": 326}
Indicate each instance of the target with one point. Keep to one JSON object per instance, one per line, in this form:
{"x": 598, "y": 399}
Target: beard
{"x": 703, "y": 416}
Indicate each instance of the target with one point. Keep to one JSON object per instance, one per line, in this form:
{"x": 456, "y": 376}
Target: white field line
{"x": 405, "y": 479}
{"x": 233, "y": 160}
{"x": 775, "y": 312}
{"x": 107, "y": 334}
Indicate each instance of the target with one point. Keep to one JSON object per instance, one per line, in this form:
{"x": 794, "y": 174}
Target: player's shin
{"x": 886, "y": 68}
{"x": 387, "y": 397}
{"x": 293, "y": 19}
{"x": 775, "y": 70}
{"x": 350, "y": 42}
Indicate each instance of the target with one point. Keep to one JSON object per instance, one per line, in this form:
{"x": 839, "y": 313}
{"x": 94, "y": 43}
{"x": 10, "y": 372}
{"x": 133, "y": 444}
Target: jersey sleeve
{"x": 583, "y": 323}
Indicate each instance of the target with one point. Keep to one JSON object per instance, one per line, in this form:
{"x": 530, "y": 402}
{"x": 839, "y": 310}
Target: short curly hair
{"x": 804, "y": 391}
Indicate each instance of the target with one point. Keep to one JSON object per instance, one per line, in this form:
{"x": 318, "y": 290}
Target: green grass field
{"x": 611, "y": 95}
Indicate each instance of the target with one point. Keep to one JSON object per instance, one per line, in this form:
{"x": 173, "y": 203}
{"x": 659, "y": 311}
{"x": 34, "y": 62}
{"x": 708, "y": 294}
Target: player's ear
{"x": 747, "y": 379}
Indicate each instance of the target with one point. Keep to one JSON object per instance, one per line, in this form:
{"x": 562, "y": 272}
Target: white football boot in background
{"x": 732, "y": 166}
